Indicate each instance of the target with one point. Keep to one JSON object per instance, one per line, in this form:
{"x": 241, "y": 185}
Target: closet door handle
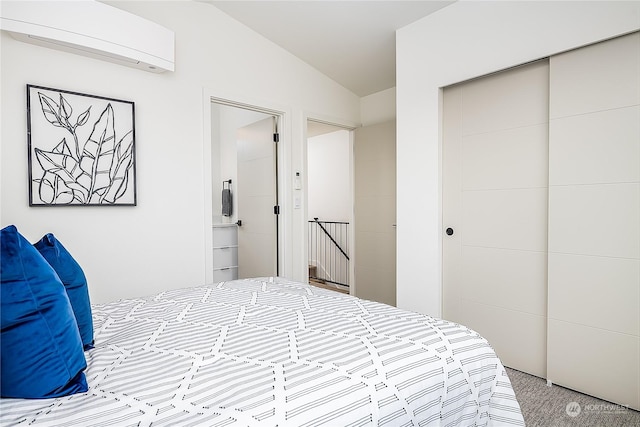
{"x": 449, "y": 231}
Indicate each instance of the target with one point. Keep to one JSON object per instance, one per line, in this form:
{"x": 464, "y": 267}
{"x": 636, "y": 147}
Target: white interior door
{"x": 594, "y": 220}
{"x": 257, "y": 196}
{"x": 375, "y": 212}
{"x": 495, "y": 189}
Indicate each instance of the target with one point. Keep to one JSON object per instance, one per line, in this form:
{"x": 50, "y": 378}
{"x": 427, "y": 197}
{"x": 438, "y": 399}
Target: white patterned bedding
{"x": 271, "y": 352}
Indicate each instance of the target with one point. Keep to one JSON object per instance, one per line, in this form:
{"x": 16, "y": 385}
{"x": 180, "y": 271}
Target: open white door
{"x": 375, "y": 212}
{"x": 257, "y": 197}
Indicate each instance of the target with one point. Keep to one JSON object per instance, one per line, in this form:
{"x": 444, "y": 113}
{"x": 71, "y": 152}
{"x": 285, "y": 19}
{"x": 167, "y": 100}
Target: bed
{"x": 273, "y": 352}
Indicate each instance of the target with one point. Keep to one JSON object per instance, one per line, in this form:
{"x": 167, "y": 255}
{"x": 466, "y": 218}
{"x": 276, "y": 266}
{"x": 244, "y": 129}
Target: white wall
{"x": 329, "y": 177}
{"x": 160, "y": 244}
{"x": 459, "y": 42}
{"x": 378, "y": 107}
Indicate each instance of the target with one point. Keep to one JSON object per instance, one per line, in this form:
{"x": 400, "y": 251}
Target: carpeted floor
{"x": 556, "y": 406}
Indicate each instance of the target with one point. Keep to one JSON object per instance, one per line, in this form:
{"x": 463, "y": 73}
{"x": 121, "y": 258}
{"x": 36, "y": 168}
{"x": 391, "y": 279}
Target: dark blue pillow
{"x": 41, "y": 352}
{"x": 74, "y": 281}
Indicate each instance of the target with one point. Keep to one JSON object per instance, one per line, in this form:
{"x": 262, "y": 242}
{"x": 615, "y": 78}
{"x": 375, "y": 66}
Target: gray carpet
{"x": 557, "y": 406}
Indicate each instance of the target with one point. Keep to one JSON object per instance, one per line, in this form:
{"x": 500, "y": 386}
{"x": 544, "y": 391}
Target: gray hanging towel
{"x": 227, "y": 204}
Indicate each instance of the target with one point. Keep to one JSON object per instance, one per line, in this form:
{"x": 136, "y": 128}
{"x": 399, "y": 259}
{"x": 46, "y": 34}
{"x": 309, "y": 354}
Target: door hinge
{"x": 276, "y": 210}
{"x": 276, "y": 137}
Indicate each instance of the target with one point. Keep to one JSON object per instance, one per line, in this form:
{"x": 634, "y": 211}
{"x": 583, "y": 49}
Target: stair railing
{"x": 328, "y": 251}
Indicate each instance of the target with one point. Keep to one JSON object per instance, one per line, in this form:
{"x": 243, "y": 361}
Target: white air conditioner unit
{"x": 91, "y": 29}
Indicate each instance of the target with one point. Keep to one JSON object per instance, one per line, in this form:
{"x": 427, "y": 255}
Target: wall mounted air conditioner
{"x": 92, "y": 29}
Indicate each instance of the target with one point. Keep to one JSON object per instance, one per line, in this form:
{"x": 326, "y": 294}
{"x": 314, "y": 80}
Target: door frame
{"x": 282, "y": 115}
{"x": 339, "y": 124}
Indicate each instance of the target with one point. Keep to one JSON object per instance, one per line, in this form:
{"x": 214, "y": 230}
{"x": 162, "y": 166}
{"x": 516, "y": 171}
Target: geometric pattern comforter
{"x": 272, "y": 352}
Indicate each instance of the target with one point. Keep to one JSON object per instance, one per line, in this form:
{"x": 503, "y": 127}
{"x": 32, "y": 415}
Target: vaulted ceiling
{"x": 351, "y": 41}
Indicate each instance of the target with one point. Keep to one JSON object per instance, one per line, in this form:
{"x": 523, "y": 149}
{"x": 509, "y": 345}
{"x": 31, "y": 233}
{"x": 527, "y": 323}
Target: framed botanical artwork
{"x": 81, "y": 149}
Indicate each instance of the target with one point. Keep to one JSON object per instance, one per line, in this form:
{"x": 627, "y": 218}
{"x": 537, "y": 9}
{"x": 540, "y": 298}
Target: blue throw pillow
{"x": 74, "y": 281}
{"x": 41, "y": 352}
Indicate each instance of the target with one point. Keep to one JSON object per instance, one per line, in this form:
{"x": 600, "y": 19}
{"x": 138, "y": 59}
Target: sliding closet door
{"x": 495, "y": 190}
{"x": 594, "y": 220}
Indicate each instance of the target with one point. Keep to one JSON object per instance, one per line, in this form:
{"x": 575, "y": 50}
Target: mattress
{"x": 272, "y": 352}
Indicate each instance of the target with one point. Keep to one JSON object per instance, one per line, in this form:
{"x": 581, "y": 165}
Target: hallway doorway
{"x": 244, "y": 159}
{"x": 330, "y": 205}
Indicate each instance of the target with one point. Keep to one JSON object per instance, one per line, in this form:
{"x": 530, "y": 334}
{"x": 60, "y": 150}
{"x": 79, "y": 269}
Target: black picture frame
{"x": 81, "y": 149}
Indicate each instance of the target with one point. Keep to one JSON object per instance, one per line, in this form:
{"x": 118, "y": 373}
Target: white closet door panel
{"x": 452, "y": 274}
{"x": 599, "y": 292}
{"x": 507, "y": 100}
{"x": 511, "y": 219}
{"x": 452, "y": 203}
{"x": 517, "y": 337}
{"x": 518, "y": 158}
{"x": 495, "y": 198}
{"x": 594, "y": 220}
{"x": 505, "y": 278}
{"x": 597, "y": 77}
{"x": 599, "y": 220}
{"x": 582, "y": 150}
{"x": 595, "y": 361}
